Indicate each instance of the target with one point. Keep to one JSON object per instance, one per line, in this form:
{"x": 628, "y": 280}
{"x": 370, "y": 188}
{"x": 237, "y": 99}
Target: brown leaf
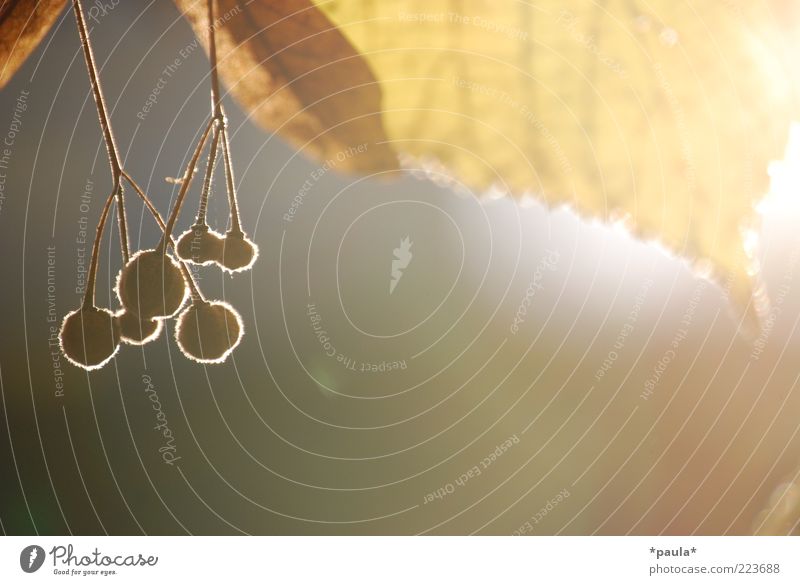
{"x": 296, "y": 74}
{"x": 23, "y": 24}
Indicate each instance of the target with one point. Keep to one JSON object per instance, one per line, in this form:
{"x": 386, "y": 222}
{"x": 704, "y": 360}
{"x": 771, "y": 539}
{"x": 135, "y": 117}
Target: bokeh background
{"x": 535, "y": 373}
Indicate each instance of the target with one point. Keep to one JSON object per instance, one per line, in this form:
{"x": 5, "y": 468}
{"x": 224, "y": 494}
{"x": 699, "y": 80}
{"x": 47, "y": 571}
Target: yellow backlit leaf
{"x": 664, "y": 112}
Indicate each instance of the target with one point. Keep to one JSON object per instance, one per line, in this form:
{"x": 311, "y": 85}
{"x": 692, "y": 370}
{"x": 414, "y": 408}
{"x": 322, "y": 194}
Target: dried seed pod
{"x": 208, "y": 331}
{"x": 136, "y": 331}
{"x": 200, "y": 245}
{"x": 238, "y": 252}
{"x": 151, "y": 285}
{"x": 89, "y": 337}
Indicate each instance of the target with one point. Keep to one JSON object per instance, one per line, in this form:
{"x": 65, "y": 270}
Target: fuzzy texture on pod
{"x": 89, "y": 337}
{"x": 136, "y": 331}
{"x": 239, "y": 253}
{"x": 208, "y": 331}
{"x": 200, "y": 245}
{"x": 151, "y": 285}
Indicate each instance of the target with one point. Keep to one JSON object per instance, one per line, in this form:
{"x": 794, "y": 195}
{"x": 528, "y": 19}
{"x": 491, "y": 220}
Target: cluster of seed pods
{"x": 152, "y": 285}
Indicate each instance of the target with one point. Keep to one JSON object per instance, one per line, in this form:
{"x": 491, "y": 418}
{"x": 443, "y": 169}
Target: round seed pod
{"x": 151, "y": 285}
{"x": 89, "y": 337}
{"x": 208, "y": 331}
{"x": 238, "y": 252}
{"x": 200, "y": 245}
{"x": 136, "y": 331}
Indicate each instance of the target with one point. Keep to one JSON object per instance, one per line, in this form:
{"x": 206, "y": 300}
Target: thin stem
{"x": 88, "y": 294}
{"x": 146, "y": 200}
{"x": 219, "y": 114}
{"x": 212, "y": 161}
{"x": 105, "y": 124}
{"x": 236, "y": 226}
{"x": 216, "y": 99}
{"x": 160, "y": 221}
{"x": 88, "y": 54}
{"x": 194, "y": 290}
{"x": 187, "y": 181}
{"x": 122, "y": 221}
